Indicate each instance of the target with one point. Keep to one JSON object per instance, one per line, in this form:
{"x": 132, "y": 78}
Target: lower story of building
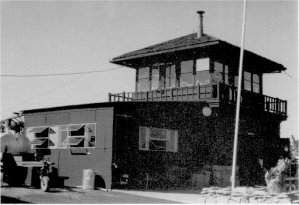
{"x": 158, "y": 145}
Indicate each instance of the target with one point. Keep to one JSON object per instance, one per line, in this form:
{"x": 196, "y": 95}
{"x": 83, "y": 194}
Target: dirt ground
{"x": 73, "y": 196}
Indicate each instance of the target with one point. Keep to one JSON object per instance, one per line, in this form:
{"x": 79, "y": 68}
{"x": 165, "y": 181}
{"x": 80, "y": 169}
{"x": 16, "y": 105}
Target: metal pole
{"x": 238, "y": 97}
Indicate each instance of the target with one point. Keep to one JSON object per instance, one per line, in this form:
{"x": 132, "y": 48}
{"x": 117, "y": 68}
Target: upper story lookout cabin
{"x": 200, "y": 67}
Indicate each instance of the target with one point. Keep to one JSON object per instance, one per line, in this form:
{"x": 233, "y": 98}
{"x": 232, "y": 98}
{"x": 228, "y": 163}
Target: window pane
{"x": 256, "y": 88}
{"x": 143, "y": 85}
{"x": 186, "y": 79}
{"x": 80, "y": 132}
{"x": 156, "y": 133}
{"x": 155, "y": 84}
{"x": 226, "y": 79}
{"x": 226, "y": 69}
{"x": 256, "y": 78}
{"x": 203, "y": 77}
{"x": 247, "y": 76}
{"x": 63, "y": 138}
{"x": 157, "y": 145}
{"x": 170, "y": 71}
{"x": 187, "y": 66}
{"x": 170, "y": 77}
{"x": 218, "y": 67}
{"x": 247, "y": 85}
{"x": 170, "y": 82}
{"x": 143, "y": 72}
{"x": 155, "y": 78}
{"x": 202, "y": 64}
{"x": 90, "y": 139}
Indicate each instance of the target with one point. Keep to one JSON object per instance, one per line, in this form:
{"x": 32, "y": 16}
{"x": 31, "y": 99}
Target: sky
{"x": 46, "y": 37}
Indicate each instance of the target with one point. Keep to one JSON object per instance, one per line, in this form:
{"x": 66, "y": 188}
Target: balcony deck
{"x": 214, "y": 94}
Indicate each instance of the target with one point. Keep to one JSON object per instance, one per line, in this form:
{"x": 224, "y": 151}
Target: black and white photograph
{"x": 149, "y": 102}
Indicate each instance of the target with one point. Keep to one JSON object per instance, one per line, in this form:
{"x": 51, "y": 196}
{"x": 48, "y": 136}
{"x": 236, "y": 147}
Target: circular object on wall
{"x": 206, "y": 111}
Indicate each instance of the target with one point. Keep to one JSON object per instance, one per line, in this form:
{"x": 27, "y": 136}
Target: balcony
{"x": 214, "y": 94}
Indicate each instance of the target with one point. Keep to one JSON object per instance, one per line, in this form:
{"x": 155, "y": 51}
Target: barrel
{"x": 88, "y": 179}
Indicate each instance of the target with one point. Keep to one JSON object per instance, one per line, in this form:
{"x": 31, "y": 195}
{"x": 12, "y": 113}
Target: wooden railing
{"x": 191, "y": 93}
{"x": 228, "y": 94}
{"x": 217, "y": 93}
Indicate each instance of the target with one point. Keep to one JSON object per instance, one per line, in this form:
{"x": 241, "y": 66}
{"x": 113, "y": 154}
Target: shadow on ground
{"x": 11, "y": 200}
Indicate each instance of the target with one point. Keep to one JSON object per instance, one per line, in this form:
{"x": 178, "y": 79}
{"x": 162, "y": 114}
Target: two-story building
{"x": 177, "y": 128}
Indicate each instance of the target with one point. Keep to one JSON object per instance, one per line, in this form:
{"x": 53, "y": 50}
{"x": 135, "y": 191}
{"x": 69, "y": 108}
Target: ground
{"x": 73, "y": 196}
{"x": 206, "y": 195}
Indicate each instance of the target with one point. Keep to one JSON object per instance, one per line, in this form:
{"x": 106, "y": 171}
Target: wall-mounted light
{"x": 206, "y": 111}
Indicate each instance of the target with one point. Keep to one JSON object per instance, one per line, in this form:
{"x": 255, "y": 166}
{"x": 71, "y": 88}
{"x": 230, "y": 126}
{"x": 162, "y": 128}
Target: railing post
{"x": 109, "y": 97}
{"x": 198, "y": 91}
{"x": 286, "y": 107}
{"x": 124, "y": 96}
{"x": 277, "y": 106}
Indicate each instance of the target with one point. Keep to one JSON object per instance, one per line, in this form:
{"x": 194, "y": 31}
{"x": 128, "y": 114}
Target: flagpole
{"x": 233, "y": 177}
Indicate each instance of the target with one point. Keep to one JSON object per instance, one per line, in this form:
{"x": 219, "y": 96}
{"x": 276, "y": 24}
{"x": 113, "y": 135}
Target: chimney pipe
{"x": 200, "y": 28}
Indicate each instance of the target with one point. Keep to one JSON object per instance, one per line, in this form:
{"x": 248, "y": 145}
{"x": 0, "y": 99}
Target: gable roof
{"x": 190, "y": 42}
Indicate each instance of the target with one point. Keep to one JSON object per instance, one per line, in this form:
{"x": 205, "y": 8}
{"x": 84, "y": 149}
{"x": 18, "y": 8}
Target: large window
{"x": 247, "y": 81}
{"x": 223, "y": 70}
{"x": 157, "y": 139}
{"x": 80, "y": 135}
{"x": 41, "y": 137}
{"x": 143, "y": 79}
{"x": 62, "y": 136}
{"x": 203, "y": 75}
{"x": 155, "y": 78}
{"x": 170, "y": 76}
{"x": 256, "y": 83}
{"x": 186, "y": 73}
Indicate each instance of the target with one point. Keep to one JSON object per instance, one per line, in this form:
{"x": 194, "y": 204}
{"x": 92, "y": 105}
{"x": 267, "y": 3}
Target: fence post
{"x": 109, "y": 97}
{"x": 277, "y": 106}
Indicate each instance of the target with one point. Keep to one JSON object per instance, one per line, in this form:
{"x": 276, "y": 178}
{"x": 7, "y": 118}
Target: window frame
{"x": 147, "y": 139}
{"x": 65, "y": 128}
{"x": 46, "y": 137}
{"x": 184, "y": 72}
{"x": 146, "y": 79}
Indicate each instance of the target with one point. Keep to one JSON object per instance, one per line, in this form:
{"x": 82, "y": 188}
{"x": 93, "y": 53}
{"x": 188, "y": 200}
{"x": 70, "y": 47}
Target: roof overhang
{"x": 124, "y": 60}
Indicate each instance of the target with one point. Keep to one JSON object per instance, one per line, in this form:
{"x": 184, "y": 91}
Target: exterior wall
{"x": 205, "y": 144}
{"x": 166, "y": 169}
{"x": 71, "y": 162}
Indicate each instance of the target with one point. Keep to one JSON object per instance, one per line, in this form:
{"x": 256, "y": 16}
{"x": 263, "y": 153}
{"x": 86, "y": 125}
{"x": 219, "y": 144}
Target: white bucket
{"x": 88, "y": 179}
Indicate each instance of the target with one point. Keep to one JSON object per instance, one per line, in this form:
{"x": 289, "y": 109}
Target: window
{"x": 186, "y": 73}
{"x": 143, "y": 79}
{"x": 157, "y": 139}
{"x": 40, "y": 137}
{"x": 155, "y": 78}
{"x": 223, "y": 69}
{"x": 247, "y": 81}
{"x": 256, "y": 83}
{"x": 203, "y": 75}
{"x": 82, "y": 135}
{"x": 170, "y": 76}
{"x": 226, "y": 76}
